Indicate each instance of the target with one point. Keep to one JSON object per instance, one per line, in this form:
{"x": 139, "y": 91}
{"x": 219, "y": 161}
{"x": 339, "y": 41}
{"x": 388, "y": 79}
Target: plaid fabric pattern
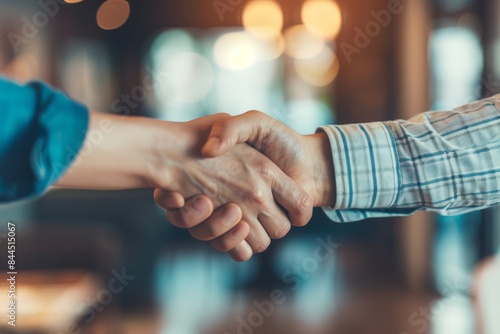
{"x": 442, "y": 161}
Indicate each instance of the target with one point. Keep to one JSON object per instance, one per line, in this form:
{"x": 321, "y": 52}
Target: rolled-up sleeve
{"x": 41, "y": 132}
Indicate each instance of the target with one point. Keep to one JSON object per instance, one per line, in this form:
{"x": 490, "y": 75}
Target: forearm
{"x": 118, "y": 153}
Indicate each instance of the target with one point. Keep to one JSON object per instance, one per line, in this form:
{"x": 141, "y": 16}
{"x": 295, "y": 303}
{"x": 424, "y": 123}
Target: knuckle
{"x": 212, "y": 188}
{"x": 158, "y": 197}
{"x": 218, "y": 245}
{"x": 207, "y": 233}
{"x": 222, "y": 123}
{"x": 195, "y": 233}
{"x": 241, "y": 253}
{"x": 256, "y": 196}
{"x": 164, "y": 179}
{"x": 263, "y": 245}
{"x": 222, "y": 245}
{"x": 241, "y": 256}
{"x": 300, "y": 222}
{"x": 223, "y": 114}
{"x": 188, "y": 218}
{"x": 282, "y": 232}
{"x": 303, "y": 210}
{"x": 176, "y": 220}
{"x": 254, "y": 113}
{"x": 211, "y": 232}
{"x": 266, "y": 170}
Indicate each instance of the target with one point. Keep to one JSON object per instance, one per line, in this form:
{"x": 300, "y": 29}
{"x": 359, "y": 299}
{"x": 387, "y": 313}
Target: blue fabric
{"x": 41, "y": 131}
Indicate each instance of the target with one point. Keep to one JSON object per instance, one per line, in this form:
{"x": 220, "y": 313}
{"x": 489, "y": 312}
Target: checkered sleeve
{"x": 443, "y": 161}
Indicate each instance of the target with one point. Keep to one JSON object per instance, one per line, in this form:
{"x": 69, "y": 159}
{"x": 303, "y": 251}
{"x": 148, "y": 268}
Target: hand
{"x": 306, "y": 159}
{"x": 242, "y": 176}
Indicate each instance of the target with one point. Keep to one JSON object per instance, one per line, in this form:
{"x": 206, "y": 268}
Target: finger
{"x": 275, "y": 223}
{"x": 242, "y": 252}
{"x": 204, "y": 124}
{"x": 219, "y": 223}
{"x": 257, "y": 239}
{"x": 196, "y": 211}
{"x": 292, "y": 198}
{"x": 231, "y": 239}
{"x": 169, "y": 200}
{"x": 227, "y": 132}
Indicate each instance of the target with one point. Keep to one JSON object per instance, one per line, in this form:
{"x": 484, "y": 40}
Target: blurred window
{"x": 198, "y": 73}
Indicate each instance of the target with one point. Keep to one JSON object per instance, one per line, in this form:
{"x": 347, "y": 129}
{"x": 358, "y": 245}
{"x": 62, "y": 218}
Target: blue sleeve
{"x": 41, "y": 132}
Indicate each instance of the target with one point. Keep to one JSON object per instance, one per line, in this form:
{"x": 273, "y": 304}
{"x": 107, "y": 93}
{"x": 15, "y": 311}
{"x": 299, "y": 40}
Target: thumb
{"x": 227, "y": 132}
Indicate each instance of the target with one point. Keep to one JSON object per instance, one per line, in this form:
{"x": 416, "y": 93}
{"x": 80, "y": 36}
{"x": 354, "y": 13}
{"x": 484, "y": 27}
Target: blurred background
{"x": 109, "y": 262}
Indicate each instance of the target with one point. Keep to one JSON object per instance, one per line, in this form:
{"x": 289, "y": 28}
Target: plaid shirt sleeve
{"x": 444, "y": 161}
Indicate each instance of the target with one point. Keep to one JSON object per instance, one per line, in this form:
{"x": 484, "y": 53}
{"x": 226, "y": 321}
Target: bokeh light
{"x": 270, "y": 48}
{"x": 170, "y": 43}
{"x": 302, "y": 43}
{"x": 263, "y": 17}
{"x": 187, "y": 77}
{"x": 322, "y": 17}
{"x": 73, "y": 1}
{"x": 113, "y": 14}
{"x": 320, "y": 70}
{"x": 236, "y": 51}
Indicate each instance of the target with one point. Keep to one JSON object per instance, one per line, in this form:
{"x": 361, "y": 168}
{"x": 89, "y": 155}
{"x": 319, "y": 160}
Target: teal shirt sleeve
{"x": 41, "y": 132}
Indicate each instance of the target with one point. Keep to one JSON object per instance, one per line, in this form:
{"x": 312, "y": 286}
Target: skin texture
{"x": 134, "y": 152}
{"x": 306, "y": 159}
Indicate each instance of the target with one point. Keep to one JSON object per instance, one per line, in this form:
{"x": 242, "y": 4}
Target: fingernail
{"x": 212, "y": 143}
{"x": 199, "y": 206}
{"x": 229, "y": 216}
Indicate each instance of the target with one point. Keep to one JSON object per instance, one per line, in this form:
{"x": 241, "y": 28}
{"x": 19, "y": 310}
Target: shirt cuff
{"x": 366, "y": 168}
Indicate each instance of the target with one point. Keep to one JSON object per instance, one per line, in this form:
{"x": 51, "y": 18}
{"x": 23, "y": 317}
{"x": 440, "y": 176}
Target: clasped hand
{"x": 249, "y": 183}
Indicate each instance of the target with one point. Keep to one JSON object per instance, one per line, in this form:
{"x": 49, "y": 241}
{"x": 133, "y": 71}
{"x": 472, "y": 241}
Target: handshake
{"x": 244, "y": 180}
{"x": 241, "y": 181}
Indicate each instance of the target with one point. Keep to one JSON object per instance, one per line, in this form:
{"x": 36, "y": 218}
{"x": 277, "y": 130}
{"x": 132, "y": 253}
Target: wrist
{"x": 133, "y": 149}
{"x": 166, "y": 150}
{"x": 323, "y": 173}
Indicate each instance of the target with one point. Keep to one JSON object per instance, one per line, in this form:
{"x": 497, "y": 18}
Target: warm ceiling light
{"x": 263, "y": 16}
{"x": 322, "y": 17}
{"x": 319, "y": 71}
{"x": 302, "y": 43}
{"x": 113, "y": 14}
{"x": 235, "y": 51}
{"x": 73, "y": 1}
{"x": 270, "y": 48}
